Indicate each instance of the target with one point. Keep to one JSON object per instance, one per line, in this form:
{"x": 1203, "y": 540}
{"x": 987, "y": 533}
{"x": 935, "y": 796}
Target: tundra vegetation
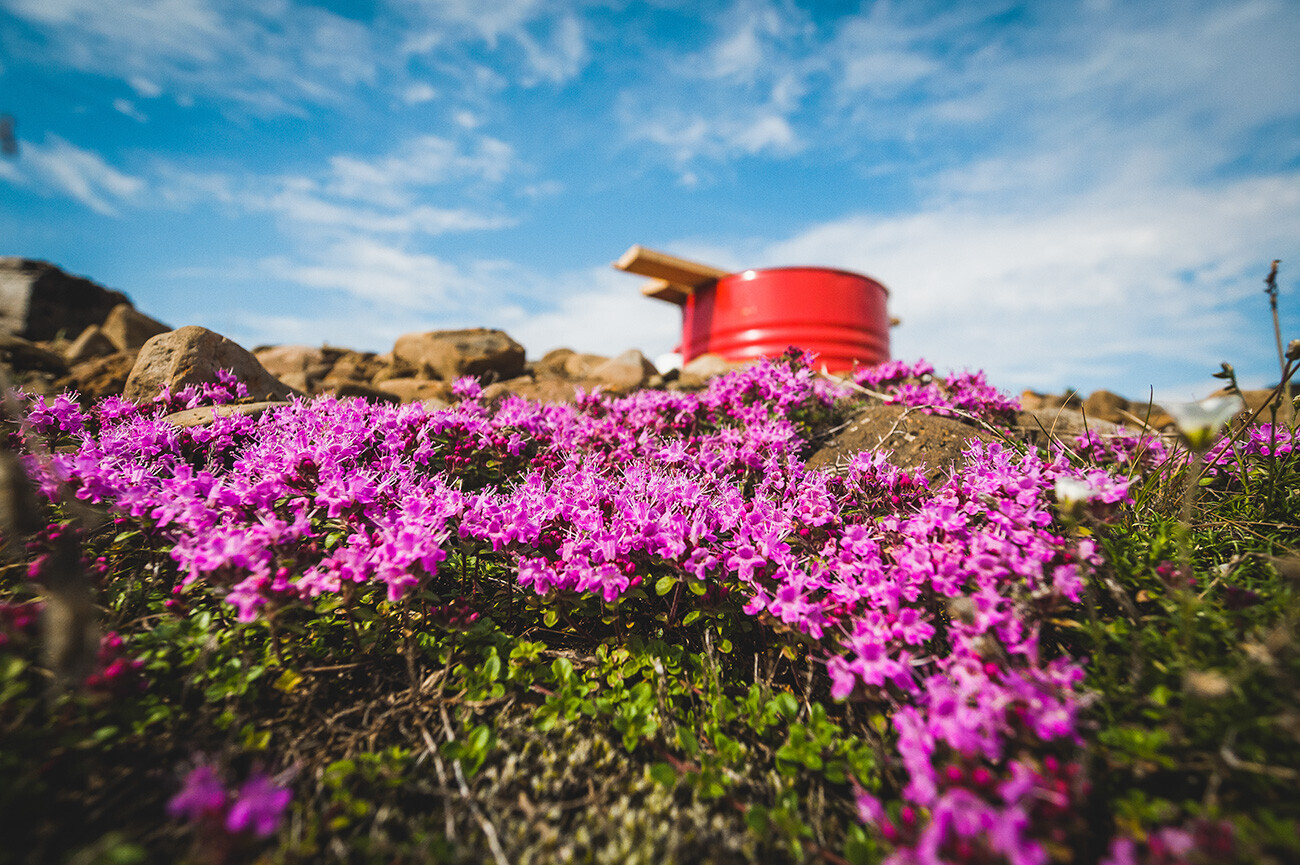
{"x": 640, "y": 629}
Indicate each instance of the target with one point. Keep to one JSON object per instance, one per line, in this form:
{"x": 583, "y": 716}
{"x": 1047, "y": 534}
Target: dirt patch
{"x": 919, "y": 441}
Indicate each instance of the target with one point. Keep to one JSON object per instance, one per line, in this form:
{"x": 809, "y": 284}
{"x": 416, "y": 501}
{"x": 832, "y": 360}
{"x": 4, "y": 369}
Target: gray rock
{"x": 450, "y": 354}
{"x": 129, "y": 329}
{"x": 40, "y": 301}
{"x": 192, "y": 355}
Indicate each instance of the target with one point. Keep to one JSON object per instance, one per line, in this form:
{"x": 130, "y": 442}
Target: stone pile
{"x": 61, "y": 332}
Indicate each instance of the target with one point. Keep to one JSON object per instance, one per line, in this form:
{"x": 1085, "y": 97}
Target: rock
{"x": 23, "y": 355}
{"x": 627, "y": 372}
{"x": 101, "y": 376}
{"x": 700, "y": 370}
{"x": 192, "y": 355}
{"x": 129, "y": 329}
{"x": 352, "y": 367}
{"x": 206, "y": 414}
{"x": 1104, "y": 405}
{"x": 416, "y": 389}
{"x": 393, "y": 369}
{"x": 580, "y": 366}
{"x": 1059, "y": 423}
{"x": 916, "y": 439}
{"x": 1259, "y": 400}
{"x": 92, "y": 343}
{"x": 450, "y": 354}
{"x": 1032, "y": 400}
{"x": 40, "y": 301}
{"x": 552, "y": 364}
{"x": 344, "y": 388}
{"x": 301, "y": 367}
{"x": 553, "y": 390}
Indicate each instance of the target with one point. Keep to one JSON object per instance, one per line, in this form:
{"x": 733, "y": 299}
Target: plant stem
{"x": 1271, "y": 282}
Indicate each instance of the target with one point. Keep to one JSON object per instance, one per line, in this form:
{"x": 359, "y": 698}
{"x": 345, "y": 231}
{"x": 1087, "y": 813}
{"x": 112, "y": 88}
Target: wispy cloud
{"x": 266, "y": 59}
{"x": 58, "y": 167}
{"x": 1077, "y": 290}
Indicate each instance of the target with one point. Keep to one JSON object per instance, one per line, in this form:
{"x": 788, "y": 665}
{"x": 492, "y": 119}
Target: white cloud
{"x": 127, "y": 107}
{"x": 56, "y": 166}
{"x": 550, "y": 41}
{"x": 600, "y": 312}
{"x": 267, "y": 59}
{"x": 1035, "y": 295}
{"x": 423, "y": 161}
{"x": 144, "y": 87}
{"x": 419, "y": 93}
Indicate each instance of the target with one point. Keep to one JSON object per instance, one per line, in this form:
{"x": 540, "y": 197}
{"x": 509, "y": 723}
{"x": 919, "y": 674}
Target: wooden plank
{"x": 670, "y": 268}
{"x": 672, "y": 292}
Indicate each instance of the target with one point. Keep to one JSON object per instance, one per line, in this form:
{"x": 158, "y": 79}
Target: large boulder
{"x": 40, "y": 301}
{"x": 193, "y": 355}
{"x": 450, "y": 354}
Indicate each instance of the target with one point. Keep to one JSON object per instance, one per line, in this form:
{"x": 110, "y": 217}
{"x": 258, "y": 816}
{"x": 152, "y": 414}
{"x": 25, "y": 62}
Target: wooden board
{"x": 669, "y": 268}
{"x": 662, "y": 289}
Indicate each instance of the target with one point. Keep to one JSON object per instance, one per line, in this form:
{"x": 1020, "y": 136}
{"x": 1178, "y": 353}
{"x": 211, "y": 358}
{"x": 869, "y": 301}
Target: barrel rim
{"x": 805, "y": 268}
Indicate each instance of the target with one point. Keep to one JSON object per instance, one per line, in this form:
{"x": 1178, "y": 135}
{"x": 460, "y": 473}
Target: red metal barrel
{"x": 760, "y": 313}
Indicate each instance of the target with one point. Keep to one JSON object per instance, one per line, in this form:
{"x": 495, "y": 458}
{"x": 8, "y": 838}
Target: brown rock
{"x": 1104, "y": 405}
{"x": 450, "y": 354}
{"x": 546, "y": 389}
{"x": 1032, "y": 400}
{"x": 91, "y": 344}
{"x": 22, "y": 355}
{"x": 580, "y": 366}
{"x": 101, "y": 376}
{"x": 344, "y": 388}
{"x": 352, "y": 366}
{"x": 627, "y": 372}
{"x": 1060, "y": 423}
{"x": 129, "y": 329}
{"x": 416, "y": 389}
{"x": 918, "y": 440}
{"x": 192, "y": 355}
{"x": 1259, "y": 401}
{"x": 206, "y": 414}
{"x": 301, "y": 367}
{"x": 697, "y": 374}
{"x": 552, "y": 364}
{"x": 393, "y": 369}
{"x": 40, "y": 301}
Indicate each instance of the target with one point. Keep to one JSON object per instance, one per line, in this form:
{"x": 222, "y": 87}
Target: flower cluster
{"x": 916, "y": 385}
{"x": 255, "y": 807}
{"x": 927, "y": 603}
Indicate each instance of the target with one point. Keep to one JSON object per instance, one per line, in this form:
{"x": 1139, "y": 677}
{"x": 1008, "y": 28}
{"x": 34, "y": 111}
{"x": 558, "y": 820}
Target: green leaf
{"x": 664, "y": 775}
{"x": 665, "y": 584}
{"x": 690, "y": 617}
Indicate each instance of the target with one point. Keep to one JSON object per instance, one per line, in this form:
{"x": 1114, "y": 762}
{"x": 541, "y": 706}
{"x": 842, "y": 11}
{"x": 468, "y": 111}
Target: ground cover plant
{"x": 640, "y": 629}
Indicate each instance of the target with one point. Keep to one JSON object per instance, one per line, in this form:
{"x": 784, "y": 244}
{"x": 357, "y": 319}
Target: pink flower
{"x": 201, "y": 794}
{"x": 258, "y": 805}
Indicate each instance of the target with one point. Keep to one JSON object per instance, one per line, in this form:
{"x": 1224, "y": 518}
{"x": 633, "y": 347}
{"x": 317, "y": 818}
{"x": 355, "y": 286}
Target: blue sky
{"x": 1080, "y": 194}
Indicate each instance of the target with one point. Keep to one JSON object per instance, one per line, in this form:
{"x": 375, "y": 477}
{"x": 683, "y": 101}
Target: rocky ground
{"x": 60, "y": 332}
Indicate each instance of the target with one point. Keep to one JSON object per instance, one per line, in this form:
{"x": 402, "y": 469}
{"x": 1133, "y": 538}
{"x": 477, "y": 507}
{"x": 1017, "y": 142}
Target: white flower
{"x": 1201, "y": 422}
{"x": 1070, "y": 490}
